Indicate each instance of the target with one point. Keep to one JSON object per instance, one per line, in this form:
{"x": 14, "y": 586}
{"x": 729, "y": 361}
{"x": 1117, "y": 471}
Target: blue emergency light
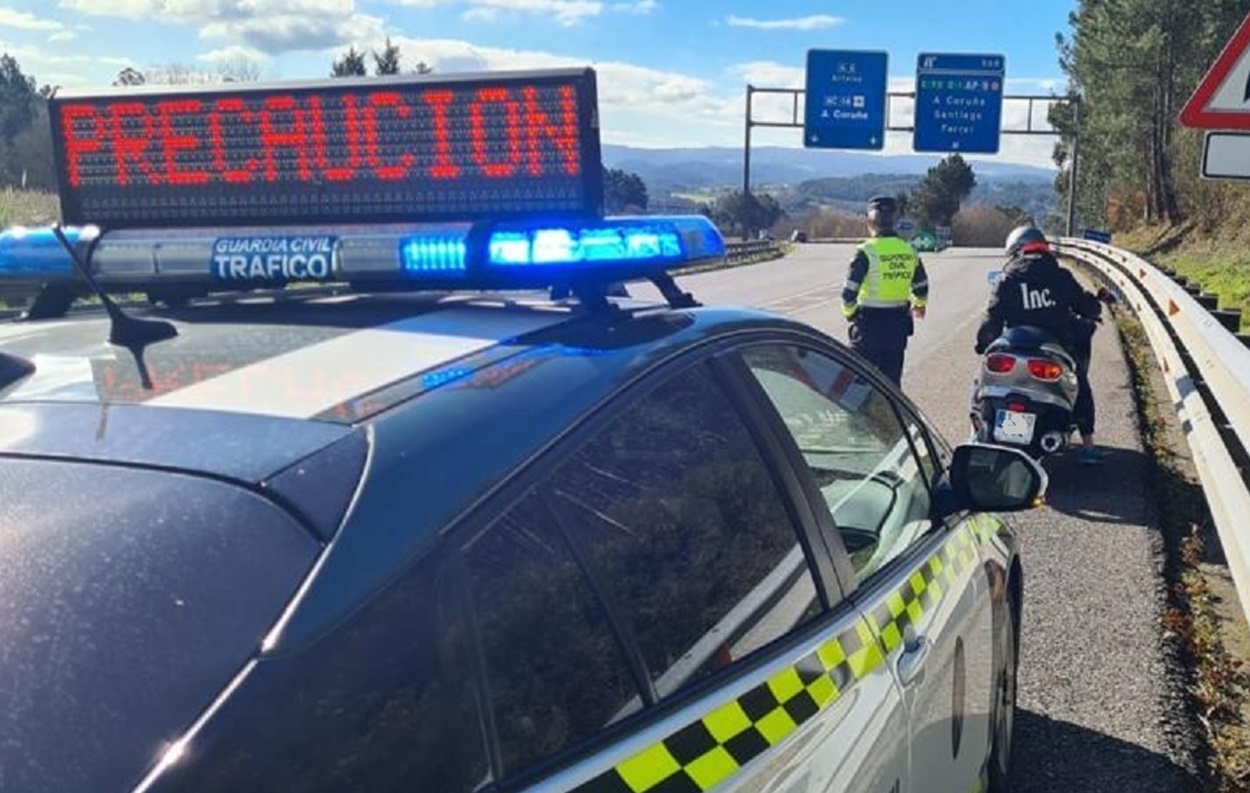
{"x": 477, "y": 255}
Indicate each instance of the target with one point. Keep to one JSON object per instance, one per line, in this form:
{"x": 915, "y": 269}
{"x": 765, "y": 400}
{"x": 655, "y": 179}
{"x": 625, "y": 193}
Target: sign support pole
{"x": 746, "y": 157}
{"x": 1073, "y": 172}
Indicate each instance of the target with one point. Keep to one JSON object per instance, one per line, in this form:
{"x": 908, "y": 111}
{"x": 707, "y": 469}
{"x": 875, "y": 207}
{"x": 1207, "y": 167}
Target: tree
{"x": 943, "y": 190}
{"x": 350, "y": 64}
{"x": 129, "y": 76}
{"x": 749, "y": 213}
{"x": 18, "y": 99}
{"x": 623, "y": 191}
{"x": 179, "y": 74}
{"x": 387, "y": 61}
{"x": 1016, "y": 215}
{"x": 1130, "y": 64}
{"x": 238, "y": 70}
{"x": 904, "y": 203}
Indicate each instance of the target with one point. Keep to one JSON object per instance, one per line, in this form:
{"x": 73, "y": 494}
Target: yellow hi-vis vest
{"x": 891, "y": 266}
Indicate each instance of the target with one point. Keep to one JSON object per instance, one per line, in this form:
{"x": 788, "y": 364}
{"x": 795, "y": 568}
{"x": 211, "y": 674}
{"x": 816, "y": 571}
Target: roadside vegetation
{"x": 1203, "y": 614}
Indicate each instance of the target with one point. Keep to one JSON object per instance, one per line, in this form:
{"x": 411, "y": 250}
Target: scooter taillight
{"x": 999, "y": 363}
{"x": 1045, "y": 370}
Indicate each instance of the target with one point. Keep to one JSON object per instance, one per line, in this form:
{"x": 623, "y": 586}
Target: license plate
{"x": 1014, "y": 427}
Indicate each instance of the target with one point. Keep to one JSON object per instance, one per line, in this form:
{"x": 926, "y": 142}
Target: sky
{"x": 671, "y": 73}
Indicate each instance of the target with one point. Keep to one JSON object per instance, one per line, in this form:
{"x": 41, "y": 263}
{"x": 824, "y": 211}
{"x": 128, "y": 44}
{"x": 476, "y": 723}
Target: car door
{"x": 918, "y": 582}
{"x": 654, "y": 614}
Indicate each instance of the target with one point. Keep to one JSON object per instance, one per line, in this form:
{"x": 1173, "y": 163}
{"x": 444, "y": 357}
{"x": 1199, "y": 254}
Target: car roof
{"x": 254, "y": 383}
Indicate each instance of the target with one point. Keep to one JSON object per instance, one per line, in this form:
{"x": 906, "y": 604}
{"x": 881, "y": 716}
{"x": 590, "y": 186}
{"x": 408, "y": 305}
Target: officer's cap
{"x": 883, "y": 203}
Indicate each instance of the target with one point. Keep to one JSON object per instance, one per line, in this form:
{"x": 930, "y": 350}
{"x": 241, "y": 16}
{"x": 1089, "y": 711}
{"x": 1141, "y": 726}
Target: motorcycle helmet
{"x": 1026, "y": 239}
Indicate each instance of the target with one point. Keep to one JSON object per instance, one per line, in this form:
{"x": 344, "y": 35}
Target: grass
{"x": 1218, "y": 264}
{"x": 1218, "y": 683}
{"x": 28, "y": 207}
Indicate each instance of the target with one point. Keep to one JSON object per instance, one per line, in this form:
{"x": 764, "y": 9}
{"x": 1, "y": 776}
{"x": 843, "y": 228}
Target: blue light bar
{"x": 652, "y": 243}
{"x": 35, "y": 254}
{"x": 446, "y": 253}
{"x": 482, "y": 255}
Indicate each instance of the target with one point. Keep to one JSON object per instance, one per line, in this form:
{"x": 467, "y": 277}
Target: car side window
{"x": 859, "y": 453}
{"x": 686, "y": 529}
{"x": 554, "y": 669}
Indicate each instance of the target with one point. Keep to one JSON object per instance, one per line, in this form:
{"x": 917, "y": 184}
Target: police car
{"x": 309, "y": 484}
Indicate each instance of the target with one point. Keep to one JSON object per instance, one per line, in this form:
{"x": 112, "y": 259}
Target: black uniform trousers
{"x": 881, "y": 335}
{"x": 1081, "y": 347}
{"x": 888, "y": 360}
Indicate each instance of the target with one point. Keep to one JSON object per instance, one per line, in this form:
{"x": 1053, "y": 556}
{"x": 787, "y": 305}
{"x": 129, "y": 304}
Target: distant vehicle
{"x": 418, "y": 526}
{"x": 798, "y": 236}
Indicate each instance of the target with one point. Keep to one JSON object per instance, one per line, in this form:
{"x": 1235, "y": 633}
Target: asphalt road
{"x": 1098, "y": 706}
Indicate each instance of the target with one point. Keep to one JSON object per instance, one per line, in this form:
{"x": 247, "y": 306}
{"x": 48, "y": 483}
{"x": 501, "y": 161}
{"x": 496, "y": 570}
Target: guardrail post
{"x": 1208, "y": 301}
{"x": 1230, "y": 318}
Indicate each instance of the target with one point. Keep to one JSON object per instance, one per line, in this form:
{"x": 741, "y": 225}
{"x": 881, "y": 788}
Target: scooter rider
{"x": 1035, "y": 290}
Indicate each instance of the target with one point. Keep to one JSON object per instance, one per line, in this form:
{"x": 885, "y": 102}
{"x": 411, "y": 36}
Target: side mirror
{"x": 987, "y": 478}
{"x": 992, "y": 276}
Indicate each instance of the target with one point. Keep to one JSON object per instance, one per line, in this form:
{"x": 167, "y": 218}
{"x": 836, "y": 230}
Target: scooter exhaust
{"x": 1052, "y": 442}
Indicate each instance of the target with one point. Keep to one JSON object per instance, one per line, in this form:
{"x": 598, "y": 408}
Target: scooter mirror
{"x": 992, "y": 276}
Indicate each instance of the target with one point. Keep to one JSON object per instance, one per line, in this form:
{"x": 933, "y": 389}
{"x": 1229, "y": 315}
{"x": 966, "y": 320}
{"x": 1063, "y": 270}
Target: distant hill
{"x": 697, "y": 170}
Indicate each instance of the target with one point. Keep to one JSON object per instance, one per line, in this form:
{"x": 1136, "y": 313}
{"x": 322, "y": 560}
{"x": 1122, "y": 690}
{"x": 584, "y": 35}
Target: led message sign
{"x": 499, "y": 145}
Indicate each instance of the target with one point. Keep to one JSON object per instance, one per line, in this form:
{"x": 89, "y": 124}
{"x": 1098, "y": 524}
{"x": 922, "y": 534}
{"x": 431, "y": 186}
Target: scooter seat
{"x": 1031, "y": 338}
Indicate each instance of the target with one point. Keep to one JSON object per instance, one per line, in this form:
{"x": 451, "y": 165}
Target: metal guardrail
{"x": 736, "y": 252}
{"x": 1207, "y": 371}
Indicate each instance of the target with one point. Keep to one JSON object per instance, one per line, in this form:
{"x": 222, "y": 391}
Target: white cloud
{"x": 768, "y": 74}
{"x": 1036, "y": 85}
{"x": 25, "y": 20}
{"x": 270, "y": 26}
{"x": 232, "y": 54}
{"x": 814, "y": 22}
{"x": 638, "y": 7}
{"x": 631, "y": 96}
{"x": 565, "y": 12}
{"x": 62, "y": 36}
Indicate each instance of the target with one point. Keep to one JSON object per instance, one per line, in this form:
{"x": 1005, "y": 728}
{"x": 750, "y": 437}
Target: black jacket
{"x": 1035, "y": 290}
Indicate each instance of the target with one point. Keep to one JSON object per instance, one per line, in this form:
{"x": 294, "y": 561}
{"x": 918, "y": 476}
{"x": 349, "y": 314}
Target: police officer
{"x": 1034, "y": 289}
{"x": 886, "y": 287}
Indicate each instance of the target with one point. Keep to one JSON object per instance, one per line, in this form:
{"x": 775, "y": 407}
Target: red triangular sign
{"x": 1222, "y": 99}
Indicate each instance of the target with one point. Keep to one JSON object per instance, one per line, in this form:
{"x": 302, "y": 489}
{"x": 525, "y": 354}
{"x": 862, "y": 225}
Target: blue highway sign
{"x": 959, "y": 103}
{"x": 847, "y": 92}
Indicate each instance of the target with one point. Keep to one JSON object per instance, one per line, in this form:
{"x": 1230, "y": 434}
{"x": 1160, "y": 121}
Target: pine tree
{"x": 351, "y": 64}
{"x": 386, "y": 62}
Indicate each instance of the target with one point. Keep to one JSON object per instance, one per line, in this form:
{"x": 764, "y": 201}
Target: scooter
{"x": 1026, "y": 389}
{"x": 1025, "y": 393}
